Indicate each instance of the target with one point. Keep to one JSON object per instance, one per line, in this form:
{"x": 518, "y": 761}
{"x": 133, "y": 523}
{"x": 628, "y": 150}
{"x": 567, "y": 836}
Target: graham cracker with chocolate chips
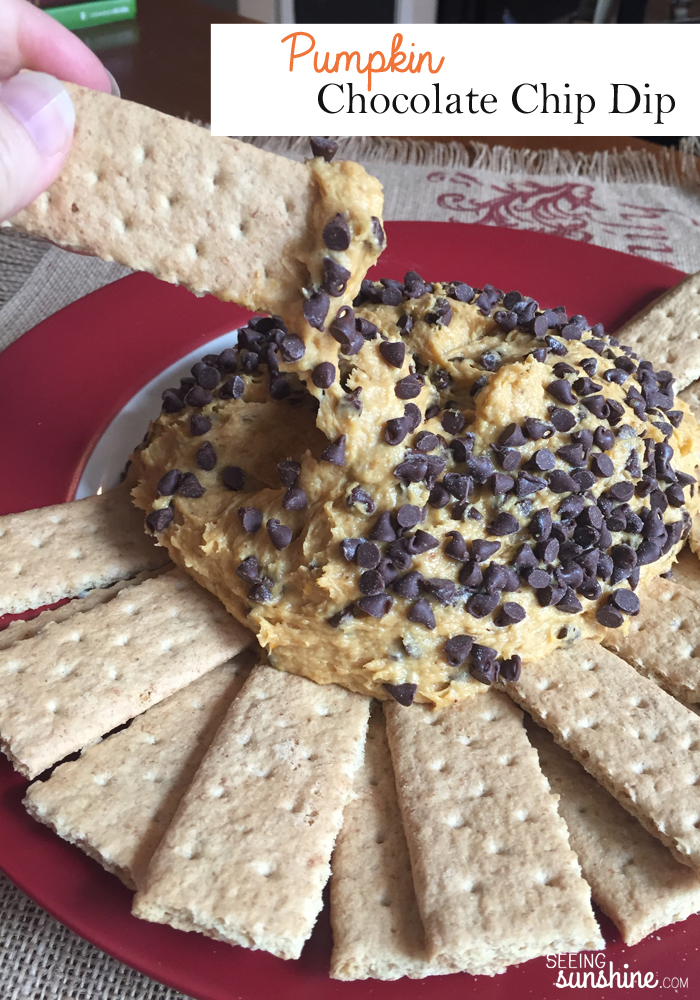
{"x": 663, "y": 641}
{"x": 377, "y": 929}
{"x": 495, "y": 878}
{"x": 64, "y": 550}
{"x": 247, "y": 855}
{"x": 76, "y": 680}
{"x": 117, "y": 800}
{"x": 667, "y": 332}
{"x": 640, "y": 743}
{"x": 633, "y": 877}
{"x": 214, "y": 214}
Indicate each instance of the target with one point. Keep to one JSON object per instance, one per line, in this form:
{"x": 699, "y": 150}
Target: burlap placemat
{"x": 640, "y": 204}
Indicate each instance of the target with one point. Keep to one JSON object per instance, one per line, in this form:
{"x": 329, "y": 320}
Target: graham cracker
{"x": 377, "y": 929}
{"x": 640, "y": 743}
{"x": 214, "y": 214}
{"x": 663, "y": 641}
{"x": 691, "y": 396}
{"x": 64, "y": 550}
{"x": 117, "y": 800}
{"x": 633, "y": 877}
{"x": 667, "y": 332}
{"x": 495, "y": 878}
{"x": 66, "y": 687}
{"x": 686, "y": 569}
{"x": 247, "y": 855}
{"x": 20, "y": 629}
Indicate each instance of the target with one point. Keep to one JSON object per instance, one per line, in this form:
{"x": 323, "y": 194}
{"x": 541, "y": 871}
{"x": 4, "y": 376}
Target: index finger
{"x": 30, "y": 39}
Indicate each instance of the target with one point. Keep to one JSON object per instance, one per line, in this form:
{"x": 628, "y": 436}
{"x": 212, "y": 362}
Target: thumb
{"x": 36, "y": 129}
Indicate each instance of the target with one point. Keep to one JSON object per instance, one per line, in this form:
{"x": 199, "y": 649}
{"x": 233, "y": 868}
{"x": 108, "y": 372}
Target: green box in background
{"x": 92, "y": 12}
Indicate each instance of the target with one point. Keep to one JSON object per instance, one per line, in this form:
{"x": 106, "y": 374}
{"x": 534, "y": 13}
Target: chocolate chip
{"x": 294, "y": 499}
{"x": 342, "y": 617}
{"x": 549, "y": 595}
{"x": 480, "y": 605}
{"x": 393, "y": 352}
{"x": 504, "y": 524}
{"x": 439, "y": 497}
{"x": 190, "y": 487}
{"x": 508, "y": 457}
{"x": 402, "y": 693}
{"x": 349, "y": 547}
{"x": 537, "y": 429}
{"x": 371, "y": 583}
{"x": 484, "y": 665}
{"x": 421, "y": 613}
{"x": 542, "y": 461}
{"x": 490, "y": 360}
{"x": 648, "y": 551}
{"x": 261, "y": 592}
{"x": 315, "y": 309}
{"x": 585, "y": 387}
{"x": 621, "y": 491}
{"x": 602, "y": 465}
{"x": 172, "y": 403}
{"x": 539, "y": 355}
{"x": 598, "y": 406}
{"x": 280, "y": 534}
{"x": 561, "y": 391}
{"x": 409, "y": 515}
{"x": 168, "y": 483}
{"x": 626, "y": 601}
{"x": 570, "y": 603}
{"x": 409, "y": 387}
{"x": 563, "y": 420}
{"x": 377, "y": 231}
{"x": 510, "y": 668}
{"x": 343, "y": 330}
{"x": 547, "y": 550}
{"x": 512, "y": 436}
{"x": 198, "y": 397}
{"x": 335, "y": 452}
{"x": 456, "y": 548}
{"x": 292, "y": 348}
{"x": 323, "y": 146}
{"x": 323, "y": 375}
{"x": 199, "y": 425}
{"x": 527, "y": 485}
{"x": 561, "y": 368}
{"x": 441, "y": 589}
{"x": 506, "y": 320}
{"x": 279, "y": 387}
{"x": 674, "y": 495}
{"x": 571, "y": 507}
{"x": 537, "y": 578}
{"x": 480, "y": 467}
{"x": 395, "y": 431}
{"x": 425, "y": 442}
{"x": 377, "y": 605}
{"x": 249, "y": 361}
{"x": 232, "y": 389}
{"x": 233, "y": 477}
{"x": 452, "y": 422}
{"x": 457, "y": 649}
{"x": 460, "y": 291}
{"x": 495, "y": 578}
{"x": 571, "y": 453}
{"x": 414, "y": 286}
{"x": 441, "y": 313}
{"x": 562, "y": 482}
{"x": 158, "y": 520}
{"x": 336, "y": 234}
{"x": 206, "y": 376}
{"x": 413, "y": 469}
{"x": 540, "y": 525}
{"x": 510, "y": 614}
{"x": 420, "y": 542}
{"x": 250, "y": 518}
{"x": 206, "y": 456}
{"x": 609, "y": 616}
{"x": 249, "y": 570}
{"x": 501, "y": 484}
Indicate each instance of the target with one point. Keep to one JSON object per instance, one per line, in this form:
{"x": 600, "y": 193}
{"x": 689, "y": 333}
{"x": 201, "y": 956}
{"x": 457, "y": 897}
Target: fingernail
{"x": 43, "y": 106}
{"x": 115, "y": 91}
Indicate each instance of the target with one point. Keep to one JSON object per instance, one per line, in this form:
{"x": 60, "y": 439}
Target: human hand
{"x": 36, "y": 112}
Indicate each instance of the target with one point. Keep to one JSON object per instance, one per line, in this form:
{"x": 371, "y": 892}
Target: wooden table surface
{"x": 165, "y": 64}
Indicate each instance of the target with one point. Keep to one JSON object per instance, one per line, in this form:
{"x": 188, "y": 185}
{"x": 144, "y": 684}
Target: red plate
{"x": 62, "y": 383}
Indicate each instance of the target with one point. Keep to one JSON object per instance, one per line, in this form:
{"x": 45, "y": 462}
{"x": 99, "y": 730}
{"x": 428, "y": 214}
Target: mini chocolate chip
{"x": 408, "y": 585}
{"x": 495, "y": 578}
{"x": 395, "y": 431}
{"x": 508, "y": 457}
{"x": 542, "y": 461}
{"x": 571, "y": 453}
{"x": 457, "y": 649}
{"x": 547, "y": 550}
{"x": 409, "y": 515}
{"x": 233, "y": 388}
{"x": 199, "y": 425}
{"x": 504, "y": 524}
{"x": 425, "y": 442}
{"x": 609, "y": 616}
{"x": 585, "y": 387}
{"x": 279, "y": 387}
{"x": 510, "y": 668}
{"x": 441, "y": 589}
{"x": 452, "y": 422}
{"x": 343, "y": 330}
{"x": 537, "y": 429}
{"x": 349, "y": 547}
{"x": 490, "y": 360}
{"x": 420, "y": 542}
{"x": 561, "y": 390}
{"x": 158, "y": 520}
{"x": 233, "y": 477}
{"x": 413, "y": 469}
{"x": 294, "y": 499}
{"x": 401, "y": 693}
{"x": 321, "y": 145}
{"x": 292, "y": 348}
{"x": 526, "y": 485}
{"x": 603, "y": 438}
{"x": 510, "y": 614}
{"x": 512, "y": 436}
{"x": 571, "y": 507}
{"x": 480, "y": 467}
{"x": 626, "y": 601}
{"x": 190, "y": 487}
{"x": 563, "y": 420}
{"x": 421, "y": 613}
{"x": 598, "y": 406}
{"x": 439, "y": 497}
{"x": 198, "y": 397}
{"x": 206, "y": 456}
{"x": 261, "y": 592}
{"x": 409, "y": 387}
{"x": 648, "y": 551}
{"x": 561, "y": 368}
{"x": 323, "y": 375}
{"x": 288, "y": 472}
{"x": 172, "y": 403}
{"x": 251, "y": 518}
{"x": 549, "y": 595}
{"x": 480, "y": 605}
{"x": 206, "y": 376}
{"x": 537, "y": 578}
{"x": 674, "y": 495}
{"x": 456, "y": 548}
{"x": 562, "y": 482}
{"x": 412, "y": 415}
{"x": 336, "y": 234}
{"x": 249, "y": 570}
{"x": 484, "y": 667}
{"x": 371, "y": 583}
{"x": 540, "y": 525}
{"x": 335, "y": 452}
{"x": 602, "y": 465}
{"x": 482, "y": 549}
{"x": 393, "y": 352}
{"x": 584, "y": 479}
{"x": 168, "y": 483}
{"x": 621, "y": 491}
{"x": 501, "y": 484}
{"x": 382, "y": 530}
{"x": 524, "y": 557}
{"x": 441, "y": 313}
{"x": 280, "y": 534}
{"x": 335, "y": 277}
{"x": 376, "y": 605}
{"x": 570, "y": 603}
{"x": 315, "y": 309}
{"x": 377, "y": 231}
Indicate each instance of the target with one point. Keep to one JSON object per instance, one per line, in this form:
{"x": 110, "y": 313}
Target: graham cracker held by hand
{"x": 641, "y": 744}
{"x": 214, "y": 214}
{"x": 116, "y": 801}
{"x": 377, "y": 929}
{"x": 495, "y": 878}
{"x": 77, "y": 680}
{"x": 64, "y": 550}
{"x": 664, "y": 638}
{"x": 247, "y": 855}
{"x": 667, "y": 332}
{"x": 633, "y": 877}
